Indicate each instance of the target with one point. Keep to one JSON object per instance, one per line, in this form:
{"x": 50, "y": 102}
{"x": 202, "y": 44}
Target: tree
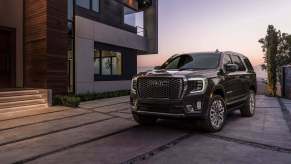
{"x": 277, "y": 49}
{"x": 270, "y": 46}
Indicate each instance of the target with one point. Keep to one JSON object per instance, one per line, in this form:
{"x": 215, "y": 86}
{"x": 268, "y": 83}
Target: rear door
{"x": 249, "y": 80}
{"x": 242, "y": 87}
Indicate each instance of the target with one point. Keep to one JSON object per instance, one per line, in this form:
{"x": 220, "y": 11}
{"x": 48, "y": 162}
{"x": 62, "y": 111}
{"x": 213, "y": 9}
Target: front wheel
{"x": 216, "y": 114}
{"x": 250, "y": 105}
{"x": 144, "y": 120}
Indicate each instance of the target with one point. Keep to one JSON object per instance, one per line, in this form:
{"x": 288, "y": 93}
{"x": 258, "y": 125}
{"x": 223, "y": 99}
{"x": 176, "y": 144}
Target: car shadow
{"x": 193, "y": 125}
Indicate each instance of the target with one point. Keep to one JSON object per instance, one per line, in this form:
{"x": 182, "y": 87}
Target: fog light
{"x": 189, "y": 109}
{"x": 134, "y": 107}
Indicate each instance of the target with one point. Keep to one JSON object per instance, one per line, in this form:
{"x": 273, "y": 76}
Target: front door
{"x": 7, "y": 58}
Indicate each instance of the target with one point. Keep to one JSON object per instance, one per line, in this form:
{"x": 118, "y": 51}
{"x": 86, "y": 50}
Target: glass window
{"x": 116, "y": 64}
{"x": 248, "y": 64}
{"x": 106, "y": 66}
{"x": 70, "y": 9}
{"x": 227, "y": 60}
{"x": 135, "y": 19}
{"x": 97, "y": 62}
{"x": 193, "y": 61}
{"x": 237, "y": 60}
{"x": 173, "y": 64}
{"x": 83, "y": 3}
{"x": 95, "y": 5}
{"x": 107, "y": 62}
{"x": 70, "y": 28}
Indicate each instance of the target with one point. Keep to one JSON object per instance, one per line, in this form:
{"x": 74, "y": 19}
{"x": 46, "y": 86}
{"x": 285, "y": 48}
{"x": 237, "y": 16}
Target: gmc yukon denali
{"x": 203, "y": 86}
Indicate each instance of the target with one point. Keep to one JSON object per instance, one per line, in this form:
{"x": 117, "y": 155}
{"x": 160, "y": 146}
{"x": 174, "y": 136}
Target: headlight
{"x": 197, "y": 85}
{"x": 134, "y": 84}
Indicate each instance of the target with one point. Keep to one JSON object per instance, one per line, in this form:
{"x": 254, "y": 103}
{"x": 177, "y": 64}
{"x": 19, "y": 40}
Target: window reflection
{"x": 107, "y": 62}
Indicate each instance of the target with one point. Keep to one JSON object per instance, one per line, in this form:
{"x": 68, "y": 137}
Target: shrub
{"x": 74, "y": 101}
{"x": 57, "y": 100}
{"x": 69, "y": 101}
{"x": 96, "y": 96}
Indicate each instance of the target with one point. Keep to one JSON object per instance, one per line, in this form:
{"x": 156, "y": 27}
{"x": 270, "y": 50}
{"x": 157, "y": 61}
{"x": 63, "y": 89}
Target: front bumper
{"x": 190, "y": 106}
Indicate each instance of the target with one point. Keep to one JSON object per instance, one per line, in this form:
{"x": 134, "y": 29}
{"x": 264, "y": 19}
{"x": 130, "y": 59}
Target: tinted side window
{"x": 226, "y": 60}
{"x": 248, "y": 64}
{"x": 237, "y": 60}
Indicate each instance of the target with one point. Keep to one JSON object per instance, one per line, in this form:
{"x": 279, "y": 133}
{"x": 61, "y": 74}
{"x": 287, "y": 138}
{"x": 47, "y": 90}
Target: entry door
{"x": 7, "y": 58}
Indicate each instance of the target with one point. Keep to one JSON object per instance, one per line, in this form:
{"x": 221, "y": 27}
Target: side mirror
{"x": 157, "y": 67}
{"x": 231, "y": 67}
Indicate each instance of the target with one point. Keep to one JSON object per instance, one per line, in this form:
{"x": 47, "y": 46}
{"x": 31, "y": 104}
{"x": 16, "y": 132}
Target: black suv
{"x": 205, "y": 86}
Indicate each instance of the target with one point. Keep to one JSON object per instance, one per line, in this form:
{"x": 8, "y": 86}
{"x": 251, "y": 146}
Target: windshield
{"x": 193, "y": 61}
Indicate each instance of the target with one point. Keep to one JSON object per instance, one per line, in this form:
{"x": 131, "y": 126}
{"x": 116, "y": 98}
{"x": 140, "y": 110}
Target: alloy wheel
{"x": 217, "y": 114}
{"x": 252, "y": 103}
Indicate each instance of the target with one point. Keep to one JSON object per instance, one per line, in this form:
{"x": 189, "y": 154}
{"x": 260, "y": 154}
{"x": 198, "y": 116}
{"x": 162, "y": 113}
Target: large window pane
{"x": 107, "y": 63}
{"x": 70, "y": 9}
{"x": 97, "y": 66}
{"x": 129, "y": 16}
{"x": 117, "y": 64}
{"x": 106, "y": 66}
{"x": 84, "y": 3}
{"x": 95, "y": 5}
{"x": 135, "y": 19}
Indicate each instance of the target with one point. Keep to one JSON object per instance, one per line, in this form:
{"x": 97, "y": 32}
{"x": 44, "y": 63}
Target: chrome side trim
{"x": 160, "y": 114}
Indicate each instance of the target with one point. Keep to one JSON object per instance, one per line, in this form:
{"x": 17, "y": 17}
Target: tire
{"x": 250, "y": 105}
{"x": 144, "y": 120}
{"x": 216, "y": 115}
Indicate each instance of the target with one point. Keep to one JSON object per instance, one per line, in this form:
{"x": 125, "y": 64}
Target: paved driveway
{"x": 104, "y": 132}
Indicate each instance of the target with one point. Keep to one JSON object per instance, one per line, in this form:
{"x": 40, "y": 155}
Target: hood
{"x": 184, "y": 73}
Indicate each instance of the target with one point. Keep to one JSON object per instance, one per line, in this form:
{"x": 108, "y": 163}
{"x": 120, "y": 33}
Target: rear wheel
{"x": 250, "y": 105}
{"x": 216, "y": 114}
{"x": 144, "y": 120}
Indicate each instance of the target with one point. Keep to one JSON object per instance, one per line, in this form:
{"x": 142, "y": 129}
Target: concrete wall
{"x": 151, "y": 28}
{"x": 11, "y": 12}
{"x": 86, "y": 28}
{"x": 87, "y": 32}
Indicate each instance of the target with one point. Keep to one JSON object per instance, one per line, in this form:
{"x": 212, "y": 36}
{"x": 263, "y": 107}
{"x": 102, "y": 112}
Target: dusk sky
{"x": 207, "y": 25}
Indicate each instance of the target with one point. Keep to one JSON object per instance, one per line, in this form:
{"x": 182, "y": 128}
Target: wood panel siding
{"x": 45, "y": 45}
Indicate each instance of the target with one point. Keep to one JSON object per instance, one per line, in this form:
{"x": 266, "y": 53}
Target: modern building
{"x": 75, "y": 46}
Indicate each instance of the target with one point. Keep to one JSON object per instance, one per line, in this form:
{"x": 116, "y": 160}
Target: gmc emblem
{"x": 159, "y": 83}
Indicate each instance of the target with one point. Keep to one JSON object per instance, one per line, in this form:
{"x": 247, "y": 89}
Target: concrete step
{"x": 24, "y": 103}
{"x": 18, "y": 93}
{"x": 23, "y": 108}
{"x": 20, "y": 98}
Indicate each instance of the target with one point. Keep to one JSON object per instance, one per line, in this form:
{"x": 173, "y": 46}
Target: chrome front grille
{"x": 160, "y": 87}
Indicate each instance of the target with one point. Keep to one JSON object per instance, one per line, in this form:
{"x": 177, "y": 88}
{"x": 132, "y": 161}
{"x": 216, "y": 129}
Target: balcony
{"x": 134, "y": 19}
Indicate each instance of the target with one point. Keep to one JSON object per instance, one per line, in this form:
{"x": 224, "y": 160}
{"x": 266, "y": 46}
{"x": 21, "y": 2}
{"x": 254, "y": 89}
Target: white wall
{"x": 11, "y": 15}
{"x": 87, "y": 32}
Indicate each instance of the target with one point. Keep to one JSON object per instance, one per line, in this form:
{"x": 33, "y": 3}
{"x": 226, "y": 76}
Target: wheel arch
{"x": 219, "y": 90}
